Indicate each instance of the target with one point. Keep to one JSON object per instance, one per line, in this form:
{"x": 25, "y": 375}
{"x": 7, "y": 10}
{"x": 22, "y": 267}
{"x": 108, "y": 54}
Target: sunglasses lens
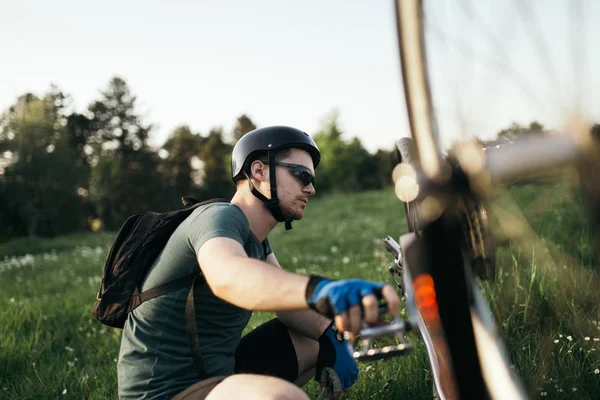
{"x": 299, "y": 172}
{"x": 305, "y": 177}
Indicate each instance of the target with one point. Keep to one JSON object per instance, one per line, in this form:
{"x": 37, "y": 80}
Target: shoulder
{"x": 217, "y": 220}
{"x": 223, "y": 211}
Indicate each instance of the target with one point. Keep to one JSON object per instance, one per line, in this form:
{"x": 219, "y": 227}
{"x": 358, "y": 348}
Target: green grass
{"x": 51, "y": 347}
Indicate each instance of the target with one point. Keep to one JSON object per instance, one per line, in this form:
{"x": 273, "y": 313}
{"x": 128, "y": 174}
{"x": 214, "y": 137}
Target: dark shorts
{"x": 267, "y": 350}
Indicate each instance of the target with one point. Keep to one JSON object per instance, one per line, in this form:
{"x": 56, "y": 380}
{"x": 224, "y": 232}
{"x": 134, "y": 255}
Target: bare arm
{"x": 308, "y": 323}
{"x": 257, "y": 285}
{"x": 249, "y": 283}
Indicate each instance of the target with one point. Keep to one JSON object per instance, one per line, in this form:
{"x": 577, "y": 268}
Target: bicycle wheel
{"x": 479, "y": 69}
{"x": 440, "y": 236}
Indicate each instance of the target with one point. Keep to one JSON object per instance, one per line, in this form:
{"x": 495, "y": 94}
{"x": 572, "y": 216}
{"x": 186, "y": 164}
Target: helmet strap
{"x": 271, "y": 204}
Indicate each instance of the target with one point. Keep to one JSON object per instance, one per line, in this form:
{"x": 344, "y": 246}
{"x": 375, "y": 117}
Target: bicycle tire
{"x": 445, "y": 260}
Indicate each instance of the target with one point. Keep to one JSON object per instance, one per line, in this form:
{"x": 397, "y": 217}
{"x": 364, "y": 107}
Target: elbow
{"x": 222, "y": 288}
{"x": 220, "y": 282}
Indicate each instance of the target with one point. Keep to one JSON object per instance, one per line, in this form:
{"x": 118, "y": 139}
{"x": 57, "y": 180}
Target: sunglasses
{"x": 299, "y": 172}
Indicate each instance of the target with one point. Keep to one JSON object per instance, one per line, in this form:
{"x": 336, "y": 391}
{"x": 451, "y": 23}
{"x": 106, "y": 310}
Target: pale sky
{"x": 204, "y": 63}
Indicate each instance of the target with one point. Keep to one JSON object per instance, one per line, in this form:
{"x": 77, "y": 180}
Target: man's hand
{"x": 334, "y": 352}
{"x": 350, "y": 301}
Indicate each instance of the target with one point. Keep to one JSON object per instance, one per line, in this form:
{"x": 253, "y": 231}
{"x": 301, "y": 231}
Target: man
{"x": 274, "y": 171}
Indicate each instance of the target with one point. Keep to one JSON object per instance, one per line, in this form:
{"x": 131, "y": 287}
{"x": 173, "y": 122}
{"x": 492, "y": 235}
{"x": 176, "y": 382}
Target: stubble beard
{"x": 293, "y": 212}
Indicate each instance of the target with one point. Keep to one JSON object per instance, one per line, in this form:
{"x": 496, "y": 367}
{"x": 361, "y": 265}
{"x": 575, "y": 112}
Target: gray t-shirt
{"x": 155, "y": 358}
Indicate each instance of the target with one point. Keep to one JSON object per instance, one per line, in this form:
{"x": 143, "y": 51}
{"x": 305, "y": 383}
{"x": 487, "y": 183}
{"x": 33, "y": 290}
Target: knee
{"x": 306, "y": 351}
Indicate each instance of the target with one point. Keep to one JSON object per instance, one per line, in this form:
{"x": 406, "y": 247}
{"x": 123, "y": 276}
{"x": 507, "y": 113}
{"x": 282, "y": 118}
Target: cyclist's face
{"x": 292, "y": 193}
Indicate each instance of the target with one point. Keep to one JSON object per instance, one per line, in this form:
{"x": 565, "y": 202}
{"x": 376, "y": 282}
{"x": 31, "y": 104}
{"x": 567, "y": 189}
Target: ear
{"x": 259, "y": 171}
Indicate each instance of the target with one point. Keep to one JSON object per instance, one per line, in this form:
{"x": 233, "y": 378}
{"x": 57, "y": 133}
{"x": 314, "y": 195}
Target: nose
{"x": 310, "y": 189}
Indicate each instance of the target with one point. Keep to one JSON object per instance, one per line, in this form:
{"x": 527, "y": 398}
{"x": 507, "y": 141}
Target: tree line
{"x": 62, "y": 171}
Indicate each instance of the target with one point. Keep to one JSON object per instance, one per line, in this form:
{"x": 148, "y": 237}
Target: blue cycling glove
{"x": 335, "y": 353}
{"x": 331, "y": 298}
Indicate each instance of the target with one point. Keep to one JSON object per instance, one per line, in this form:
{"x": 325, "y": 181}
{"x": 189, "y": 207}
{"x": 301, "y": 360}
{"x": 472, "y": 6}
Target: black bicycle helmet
{"x": 271, "y": 140}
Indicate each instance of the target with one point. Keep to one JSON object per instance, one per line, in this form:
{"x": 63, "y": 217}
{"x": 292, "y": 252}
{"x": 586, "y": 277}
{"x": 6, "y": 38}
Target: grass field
{"x": 544, "y": 300}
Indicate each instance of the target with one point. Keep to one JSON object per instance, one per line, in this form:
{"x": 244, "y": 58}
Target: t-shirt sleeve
{"x": 267, "y": 246}
{"x": 217, "y": 221}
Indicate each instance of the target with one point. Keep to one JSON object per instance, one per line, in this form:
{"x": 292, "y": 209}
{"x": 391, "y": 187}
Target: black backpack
{"x": 139, "y": 241}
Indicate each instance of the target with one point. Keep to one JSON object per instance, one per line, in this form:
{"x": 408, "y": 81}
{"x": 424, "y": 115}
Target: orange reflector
{"x": 425, "y": 297}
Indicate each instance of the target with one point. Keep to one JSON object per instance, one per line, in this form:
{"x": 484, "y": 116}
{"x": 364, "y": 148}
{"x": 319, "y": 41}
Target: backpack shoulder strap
{"x": 192, "y": 327}
{"x": 164, "y": 288}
